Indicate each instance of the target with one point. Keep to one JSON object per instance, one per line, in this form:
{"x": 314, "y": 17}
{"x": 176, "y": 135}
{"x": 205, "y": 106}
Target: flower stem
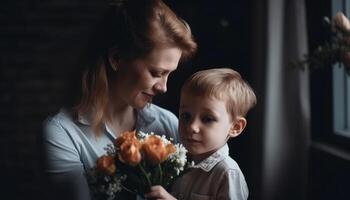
{"x": 127, "y": 189}
{"x": 146, "y": 175}
{"x": 160, "y": 175}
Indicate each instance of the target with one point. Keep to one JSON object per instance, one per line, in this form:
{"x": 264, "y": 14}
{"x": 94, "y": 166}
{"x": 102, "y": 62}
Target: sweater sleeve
{"x": 170, "y": 122}
{"x": 64, "y": 168}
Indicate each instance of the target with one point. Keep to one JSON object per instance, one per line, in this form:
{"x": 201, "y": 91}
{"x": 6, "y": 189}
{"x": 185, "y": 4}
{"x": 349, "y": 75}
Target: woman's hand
{"x": 159, "y": 193}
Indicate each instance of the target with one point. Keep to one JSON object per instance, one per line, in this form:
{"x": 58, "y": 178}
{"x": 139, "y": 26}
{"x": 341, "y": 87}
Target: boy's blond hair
{"x": 223, "y": 84}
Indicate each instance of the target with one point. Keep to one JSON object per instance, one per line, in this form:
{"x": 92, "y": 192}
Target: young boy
{"x": 213, "y": 105}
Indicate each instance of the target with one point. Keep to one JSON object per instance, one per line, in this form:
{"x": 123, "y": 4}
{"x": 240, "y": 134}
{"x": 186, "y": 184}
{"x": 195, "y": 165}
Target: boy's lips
{"x": 192, "y": 140}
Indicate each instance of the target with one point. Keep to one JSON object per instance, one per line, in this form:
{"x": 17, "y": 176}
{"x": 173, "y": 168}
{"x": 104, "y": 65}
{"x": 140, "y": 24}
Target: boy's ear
{"x": 237, "y": 126}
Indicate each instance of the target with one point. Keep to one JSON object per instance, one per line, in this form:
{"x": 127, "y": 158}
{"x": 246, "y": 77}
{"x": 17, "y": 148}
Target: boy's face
{"x": 204, "y": 123}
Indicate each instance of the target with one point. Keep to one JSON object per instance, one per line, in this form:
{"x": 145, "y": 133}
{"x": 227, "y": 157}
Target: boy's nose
{"x": 194, "y": 127}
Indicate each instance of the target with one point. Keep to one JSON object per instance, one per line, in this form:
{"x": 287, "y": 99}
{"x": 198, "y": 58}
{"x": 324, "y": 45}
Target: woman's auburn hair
{"x": 134, "y": 29}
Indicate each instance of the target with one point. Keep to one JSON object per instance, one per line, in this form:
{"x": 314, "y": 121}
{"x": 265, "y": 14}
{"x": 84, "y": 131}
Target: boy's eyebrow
{"x": 211, "y": 111}
{"x": 208, "y": 110}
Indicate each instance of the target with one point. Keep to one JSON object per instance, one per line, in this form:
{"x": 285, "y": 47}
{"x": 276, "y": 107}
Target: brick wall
{"x": 40, "y": 43}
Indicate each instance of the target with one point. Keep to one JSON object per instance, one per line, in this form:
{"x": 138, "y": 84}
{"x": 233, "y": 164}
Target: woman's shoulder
{"x": 158, "y": 112}
{"x": 156, "y": 119}
{"x": 63, "y": 131}
{"x": 61, "y": 123}
{"x": 62, "y": 117}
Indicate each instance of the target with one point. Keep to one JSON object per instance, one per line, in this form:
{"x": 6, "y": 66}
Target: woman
{"x": 141, "y": 43}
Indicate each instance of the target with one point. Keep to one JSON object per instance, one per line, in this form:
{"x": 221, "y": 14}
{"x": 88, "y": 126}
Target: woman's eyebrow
{"x": 160, "y": 69}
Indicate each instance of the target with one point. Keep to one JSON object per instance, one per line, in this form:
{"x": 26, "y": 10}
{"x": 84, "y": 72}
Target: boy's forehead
{"x": 200, "y": 104}
{"x": 189, "y": 94}
{"x": 209, "y": 92}
{"x": 190, "y": 98}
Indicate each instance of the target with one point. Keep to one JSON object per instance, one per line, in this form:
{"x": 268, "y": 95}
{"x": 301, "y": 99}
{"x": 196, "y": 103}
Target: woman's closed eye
{"x": 157, "y": 74}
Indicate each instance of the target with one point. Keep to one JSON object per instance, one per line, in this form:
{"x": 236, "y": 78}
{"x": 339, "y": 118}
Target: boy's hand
{"x": 159, "y": 193}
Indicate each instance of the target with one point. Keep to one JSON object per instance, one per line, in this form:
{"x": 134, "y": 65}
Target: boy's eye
{"x": 185, "y": 116}
{"x": 208, "y": 119}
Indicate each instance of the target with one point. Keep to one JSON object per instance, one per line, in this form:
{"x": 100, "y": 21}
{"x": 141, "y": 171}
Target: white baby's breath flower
{"x": 178, "y": 158}
{"x": 142, "y": 135}
{"x": 192, "y": 163}
{"x": 164, "y": 139}
{"x": 110, "y": 149}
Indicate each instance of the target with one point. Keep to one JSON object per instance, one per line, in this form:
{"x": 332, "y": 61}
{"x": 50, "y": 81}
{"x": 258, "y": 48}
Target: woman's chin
{"x": 140, "y": 105}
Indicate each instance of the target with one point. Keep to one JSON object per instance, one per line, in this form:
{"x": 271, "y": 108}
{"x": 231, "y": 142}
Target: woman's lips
{"x": 149, "y": 97}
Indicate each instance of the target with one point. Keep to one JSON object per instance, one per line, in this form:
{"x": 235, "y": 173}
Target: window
{"x": 341, "y": 85}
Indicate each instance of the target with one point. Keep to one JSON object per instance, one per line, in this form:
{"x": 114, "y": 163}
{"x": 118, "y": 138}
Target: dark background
{"x": 329, "y": 173}
{"x": 41, "y": 43}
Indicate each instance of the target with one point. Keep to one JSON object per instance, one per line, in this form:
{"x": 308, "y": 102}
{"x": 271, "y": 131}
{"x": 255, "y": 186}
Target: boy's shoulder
{"x": 227, "y": 169}
{"x": 231, "y": 179}
{"x": 228, "y": 164}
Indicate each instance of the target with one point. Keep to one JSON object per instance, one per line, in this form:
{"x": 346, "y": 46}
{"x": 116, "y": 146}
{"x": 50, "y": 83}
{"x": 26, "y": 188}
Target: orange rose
{"x": 105, "y": 164}
{"x": 128, "y": 148}
{"x": 124, "y": 137}
{"x": 155, "y": 150}
{"x": 170, "y": 148}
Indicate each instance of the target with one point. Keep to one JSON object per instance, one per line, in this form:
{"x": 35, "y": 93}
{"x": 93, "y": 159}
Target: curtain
{"x": 282, "y": 121}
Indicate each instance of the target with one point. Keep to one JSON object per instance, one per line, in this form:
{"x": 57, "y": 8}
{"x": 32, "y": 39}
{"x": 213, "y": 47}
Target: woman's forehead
{"x": 167, "y": 54}
{"x": 166, "y": 59}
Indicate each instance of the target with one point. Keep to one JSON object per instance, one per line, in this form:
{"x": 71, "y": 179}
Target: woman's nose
{"x": 160, "y": 86}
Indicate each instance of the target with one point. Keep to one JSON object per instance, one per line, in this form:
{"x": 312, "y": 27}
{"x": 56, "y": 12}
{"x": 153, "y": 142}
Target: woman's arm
{"x": 64, "y": 169}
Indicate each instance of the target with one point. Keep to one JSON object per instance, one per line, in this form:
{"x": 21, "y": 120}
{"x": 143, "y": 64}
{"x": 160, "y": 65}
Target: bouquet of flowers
{"x": 336, "y": 50}
{"x": 134, "y": 163}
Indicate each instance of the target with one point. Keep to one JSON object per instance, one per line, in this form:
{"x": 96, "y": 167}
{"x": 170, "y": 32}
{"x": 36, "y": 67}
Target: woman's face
{"x": 138, "y": 81}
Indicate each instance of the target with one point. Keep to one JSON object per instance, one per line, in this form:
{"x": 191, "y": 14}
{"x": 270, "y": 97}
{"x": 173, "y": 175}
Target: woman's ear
{"x": 237, "y": 126}
{"x": 113, "y": 58}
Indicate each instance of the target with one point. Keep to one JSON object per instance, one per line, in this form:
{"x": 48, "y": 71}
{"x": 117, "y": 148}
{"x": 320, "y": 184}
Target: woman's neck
{"x": 120, "y": 118}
